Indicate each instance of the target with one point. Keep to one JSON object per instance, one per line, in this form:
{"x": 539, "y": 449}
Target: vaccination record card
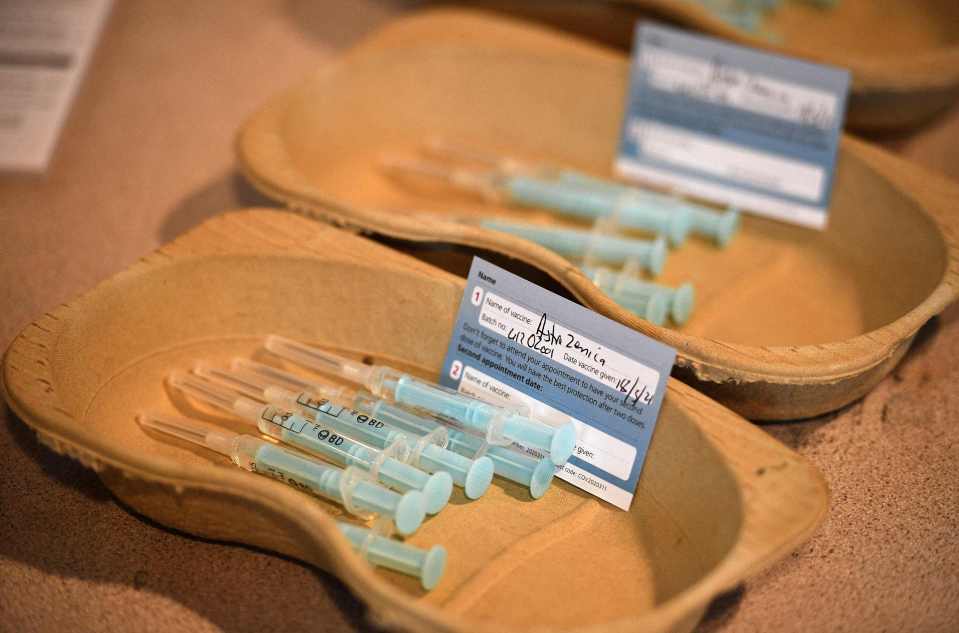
{"x": 733, "y": 125}
{"x": 515, "y": 343}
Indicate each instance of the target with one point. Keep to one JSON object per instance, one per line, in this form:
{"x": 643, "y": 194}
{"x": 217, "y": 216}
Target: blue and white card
{"x": 518, "y": 344}
{"x": 731, "y": 124}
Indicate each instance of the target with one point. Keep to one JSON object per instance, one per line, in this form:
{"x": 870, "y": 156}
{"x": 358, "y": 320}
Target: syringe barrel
{"x": 618, "y": 249}
{"x": 435, "y": 458}
{"x": 298, "y": 471}
{"x": 470, "y": 412}
{"x": 478, "y": 416}
{"x": 636, "y": 208}
{"x": 640, "y": 212}
{"x": 706, "y": 221}
{"x": 395, "y": 416}
{"x": 473, "y": 476}
{"x": 661, "y": 200}
{"x": 572, "y": 200}
{"x": 528, "y": 432}
{"x": 401, "y": 476}
{"x": 568, "y": 242}
{"x": 427, "y": 565}
{"x": 361, "y": 424}
{"x": 523, "y": 469}
{"x": 630, "y": 209}
{"x": 318, "y": 438}
{"x": 578, "y": 243}
{"x": 314, "y": 438}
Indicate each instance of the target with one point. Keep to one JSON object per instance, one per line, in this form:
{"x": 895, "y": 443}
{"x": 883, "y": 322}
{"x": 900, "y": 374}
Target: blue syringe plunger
{"x": 542, "y": 478}
{"x": 427, "y": 565}
{"x": 728, "y": 226}
{"x": 682, "y": 305}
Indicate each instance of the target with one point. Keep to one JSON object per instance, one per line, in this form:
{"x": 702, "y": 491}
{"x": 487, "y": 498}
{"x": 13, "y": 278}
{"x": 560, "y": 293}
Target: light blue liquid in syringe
{"x": 476, "y": 414}
{"x": 578, "y": 243}
{"x": 589, "y": 203}
{"x": 500, "y": 425}
{"x": 574, "y": 193}
{"x": 473, "y": 475}
{"x": 348, "y": 487}
{"x": 426, "y": 451}
{"x": 720, "y": 226}
{"x": 536, "y": 474}
{"x": 320, "y": 440}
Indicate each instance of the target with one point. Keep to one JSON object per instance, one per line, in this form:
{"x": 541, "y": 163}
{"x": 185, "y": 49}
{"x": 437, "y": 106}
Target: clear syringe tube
{"x": 588, "y": 203}
{"x": 319, "y": 440}
{"x": 315, "y": 405}
{"x": 354, "y": 425}
{"x": 427, "y": 565}
{"x": 721, "y": 226}
{"x": 350, "y": 487}
{"x": 570, "y": 198}
{"x": 701, "y": 219}
{"x": 576, "y": 243}
{"x": 370, "y": 419}
{"x": 473, "y": 475}
{"x": 500, "y": 425}
{"x": 537, "y": 474}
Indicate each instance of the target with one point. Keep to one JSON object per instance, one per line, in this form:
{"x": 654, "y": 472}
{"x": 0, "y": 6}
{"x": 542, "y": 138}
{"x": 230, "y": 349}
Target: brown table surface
{"x": 147, "y": 153}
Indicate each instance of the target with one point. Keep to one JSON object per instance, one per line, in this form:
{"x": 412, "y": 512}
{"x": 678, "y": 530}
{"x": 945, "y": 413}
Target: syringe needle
{"x": 500, "y": 425}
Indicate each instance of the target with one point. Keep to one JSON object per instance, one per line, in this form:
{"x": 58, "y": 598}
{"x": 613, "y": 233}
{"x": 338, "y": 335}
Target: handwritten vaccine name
{"x": 546, "y": 340}
{"x": 635, "y": 381}
{"x": 716, "y": 81}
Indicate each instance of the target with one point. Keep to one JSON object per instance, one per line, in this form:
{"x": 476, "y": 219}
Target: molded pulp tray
{"x": 789, "y": 323}
{"x": 718, "y": 498}
{"x": 903, "y": 55}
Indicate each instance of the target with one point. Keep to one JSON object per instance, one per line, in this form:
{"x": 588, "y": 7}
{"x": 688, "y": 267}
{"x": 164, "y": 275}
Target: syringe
{"x": 537, "y": 474}
{"x": 350, "y": 487}
{"x": 427, "y": 452}
{"x": 576, "y": 243}
{"x": 636, "y": 294}
{"x": 721, "y": 227}
{"x": 320, "y": 440}
{"x": 501, "y": 426}
{"x": 427, "y": 565}
{"x": 572, "y": 199}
